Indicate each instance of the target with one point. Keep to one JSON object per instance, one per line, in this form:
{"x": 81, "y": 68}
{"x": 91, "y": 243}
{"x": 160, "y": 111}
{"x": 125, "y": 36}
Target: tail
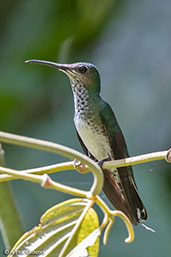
{"x": 126, "y": 197}
{"x": 138, "y": 205}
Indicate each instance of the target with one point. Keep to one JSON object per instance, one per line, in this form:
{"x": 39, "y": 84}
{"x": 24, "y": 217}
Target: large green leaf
{"x": 58, "y": 227}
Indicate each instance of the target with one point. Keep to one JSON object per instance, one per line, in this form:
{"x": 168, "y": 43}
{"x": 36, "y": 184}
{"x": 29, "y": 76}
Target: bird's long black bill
{"x": 63, "y": 67}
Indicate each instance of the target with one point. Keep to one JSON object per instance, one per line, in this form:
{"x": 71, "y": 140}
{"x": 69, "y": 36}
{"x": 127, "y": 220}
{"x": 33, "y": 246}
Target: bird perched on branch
{"x": 101, "y": 137}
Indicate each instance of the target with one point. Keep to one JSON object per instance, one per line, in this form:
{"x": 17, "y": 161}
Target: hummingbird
{"x": 101, "y": 137}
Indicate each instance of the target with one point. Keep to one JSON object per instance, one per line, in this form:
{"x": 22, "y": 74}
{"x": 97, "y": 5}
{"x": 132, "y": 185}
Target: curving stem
{"x": 61, "y": 150}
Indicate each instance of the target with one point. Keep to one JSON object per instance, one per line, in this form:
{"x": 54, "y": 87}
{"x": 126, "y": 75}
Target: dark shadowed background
{"x": 130, "y": 43}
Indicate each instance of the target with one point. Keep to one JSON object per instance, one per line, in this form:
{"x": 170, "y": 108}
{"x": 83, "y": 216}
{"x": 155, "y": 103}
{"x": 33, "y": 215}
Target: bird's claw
{"x": 100, "y": 163}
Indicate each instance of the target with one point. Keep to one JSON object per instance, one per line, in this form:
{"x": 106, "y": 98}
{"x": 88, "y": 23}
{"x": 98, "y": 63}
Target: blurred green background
{"x": 130, "y": 43}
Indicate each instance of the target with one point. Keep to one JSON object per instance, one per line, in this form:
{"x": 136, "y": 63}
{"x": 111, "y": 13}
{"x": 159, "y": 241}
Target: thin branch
{"x": 47, "y": 182}
{"x": 81, "y": 166}
{"x": 42, "y": 170}
{"x": 109, "y": 217}
{"x": 128, "y": 224}
{"x": 139, "y": 159}
{"x": 84, "y": 168}
{"x": 59, "y": 149}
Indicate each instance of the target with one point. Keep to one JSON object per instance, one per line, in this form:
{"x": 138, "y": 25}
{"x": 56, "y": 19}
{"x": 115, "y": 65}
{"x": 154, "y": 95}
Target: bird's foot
{"x": 100, "y": 163}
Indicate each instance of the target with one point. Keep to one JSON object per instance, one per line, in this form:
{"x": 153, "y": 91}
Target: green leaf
{"x": 88, "y": 247}
{"x": 10, "y": 222}
{"x": 61, "y": 229}
{"x": 88, "y": 225}
{"x": 10, "y": 225}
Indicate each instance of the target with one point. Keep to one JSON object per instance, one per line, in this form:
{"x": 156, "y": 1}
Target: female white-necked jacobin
{"x": 101, "y": 137}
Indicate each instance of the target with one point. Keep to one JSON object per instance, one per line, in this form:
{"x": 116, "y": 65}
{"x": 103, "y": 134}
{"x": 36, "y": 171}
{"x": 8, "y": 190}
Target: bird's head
{"x": 80, "y": 73}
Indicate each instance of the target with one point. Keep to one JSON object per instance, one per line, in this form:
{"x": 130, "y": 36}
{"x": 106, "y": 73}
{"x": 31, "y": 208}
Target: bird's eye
{"x": 82, "y": 69}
